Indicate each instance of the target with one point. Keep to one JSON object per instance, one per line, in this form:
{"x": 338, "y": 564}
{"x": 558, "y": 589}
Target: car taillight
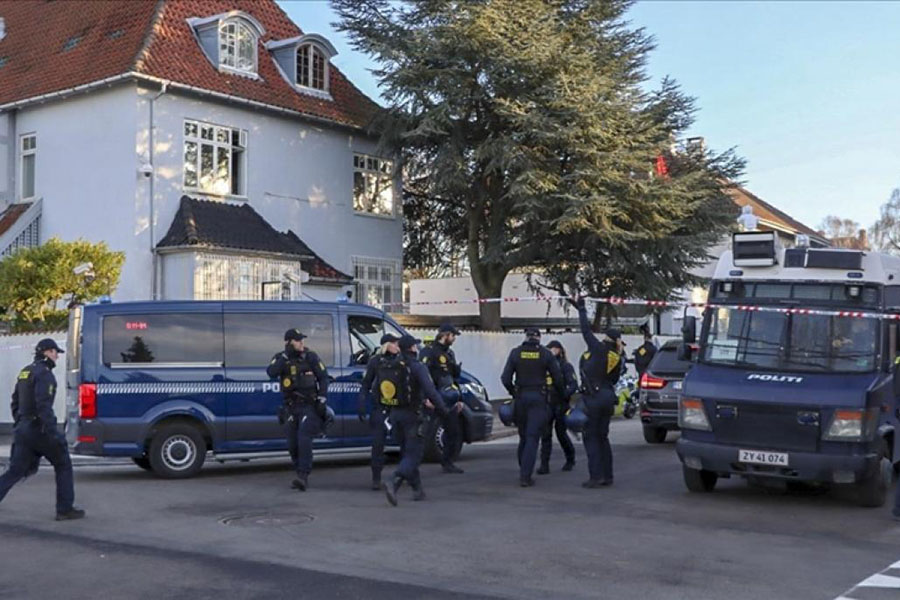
{"x": 649, "y": 382}
{"x": 87, "y": 401}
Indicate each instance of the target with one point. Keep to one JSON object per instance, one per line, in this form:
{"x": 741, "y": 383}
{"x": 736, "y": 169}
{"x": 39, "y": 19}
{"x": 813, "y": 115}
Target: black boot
{"x": 570, "y": 464}
{"x": 543, "y": 469}
{"x": 449, "y": 467}
{"x": 418, "y": 493}
{"x": 376, "y": 480}
{"x": 526, "y": 482}
{"x": 300, "y": 483}
{"x": 592, "y": 484}
{"x": 70, "y": 515}
{"x": 390, "y": 490}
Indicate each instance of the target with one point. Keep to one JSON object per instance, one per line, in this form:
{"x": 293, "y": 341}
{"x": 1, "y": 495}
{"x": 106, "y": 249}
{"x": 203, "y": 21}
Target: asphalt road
{"x": 238, "y": 531}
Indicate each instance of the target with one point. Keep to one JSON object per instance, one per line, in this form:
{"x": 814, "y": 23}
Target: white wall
{"x": 484, "y": 353}
{"x": 16, "y": 352}
{"x": 7, "y": 160}
{"x": 177, "y": 276}
{"x": 86, "y": 173}
{"x": 300, "y": 177}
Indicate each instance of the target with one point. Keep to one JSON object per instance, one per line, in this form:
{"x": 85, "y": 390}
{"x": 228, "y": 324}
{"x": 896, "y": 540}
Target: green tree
{"x": 525, "y": 122}
{"x": 37, "y": 283}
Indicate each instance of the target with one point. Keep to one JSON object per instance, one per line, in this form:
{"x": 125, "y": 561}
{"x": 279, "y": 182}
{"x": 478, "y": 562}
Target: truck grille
{"x": 765, "y": 426}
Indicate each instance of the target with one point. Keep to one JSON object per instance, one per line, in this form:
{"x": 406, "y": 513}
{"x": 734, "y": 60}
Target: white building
{"x": 218, "y": 148}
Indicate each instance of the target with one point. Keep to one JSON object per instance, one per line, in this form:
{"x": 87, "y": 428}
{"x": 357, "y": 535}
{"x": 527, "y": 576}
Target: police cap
{"x": 389, "y": 338}
{"x": 613, "y": 334}
{"x": 408, "y": 341}
{"x": 293, "y": 334}
{"x": 448, "y": 328}
{"x": 532, "y": 332}
{"x": 47, "y": 344}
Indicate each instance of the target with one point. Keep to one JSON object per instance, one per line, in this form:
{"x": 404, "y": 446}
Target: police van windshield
{"x": 365, "y": 336}
{"x": 780, "y": 342}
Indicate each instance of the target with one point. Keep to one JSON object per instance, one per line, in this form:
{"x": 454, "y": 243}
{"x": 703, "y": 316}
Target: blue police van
{"x": 796, "y": 376}
{"x": 166, "y": 383}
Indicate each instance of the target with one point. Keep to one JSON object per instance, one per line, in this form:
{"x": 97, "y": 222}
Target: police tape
{"x": 667, "y": 304}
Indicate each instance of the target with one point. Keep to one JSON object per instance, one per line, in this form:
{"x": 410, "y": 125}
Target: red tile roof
{"x": 9, "y": 216}
{"x": 152, "y": 38}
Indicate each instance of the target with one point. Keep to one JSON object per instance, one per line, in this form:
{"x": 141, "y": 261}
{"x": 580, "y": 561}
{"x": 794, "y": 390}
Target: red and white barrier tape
{"x": 660, "y": 304}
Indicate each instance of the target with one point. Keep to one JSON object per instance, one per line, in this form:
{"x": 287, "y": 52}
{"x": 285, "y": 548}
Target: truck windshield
{"x": 780, "y": 342}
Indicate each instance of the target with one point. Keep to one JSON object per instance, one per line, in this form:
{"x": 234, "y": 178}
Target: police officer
{"x": 445, "y": 372}
{"x": 644, "y": 353}
{"x": 558, "y": 407}
{"x": 36, "y": 434}
{"x": 600, "y": 370}
{"x": 304, "y": 387}
{"x": 525, "y": 376}
{"x": 406, "y": 386}
{"x": 380, "y": 411}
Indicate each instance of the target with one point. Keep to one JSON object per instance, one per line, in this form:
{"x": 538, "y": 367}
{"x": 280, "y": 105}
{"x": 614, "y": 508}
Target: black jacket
{"x": 34, "y": 392}
{"x": 570, "y": 381}
{"x": 420, "y": 383}
{"x": 441, "y": 363}
{"x": 601, "y": 365}
{"x": 280, "y": 364}
{"x": 531, "y": 364}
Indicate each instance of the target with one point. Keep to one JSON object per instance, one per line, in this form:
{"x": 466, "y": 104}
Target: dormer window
{"x": 311, "y": 67}
{"x": 237, "y": 46}
{"x": 229, "y": 41}
{"x": 305, "y": 62}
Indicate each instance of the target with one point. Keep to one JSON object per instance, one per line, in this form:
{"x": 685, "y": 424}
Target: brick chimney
{"x": 863, "y": 240}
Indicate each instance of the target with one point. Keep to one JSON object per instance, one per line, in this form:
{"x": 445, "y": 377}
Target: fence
{"x": 16, "y": 351}
{"x": 484, "y": 353}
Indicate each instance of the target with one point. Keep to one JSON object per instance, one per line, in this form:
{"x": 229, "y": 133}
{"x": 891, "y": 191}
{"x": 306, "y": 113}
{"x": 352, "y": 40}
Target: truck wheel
{"x": 177, "y": 451}
{"x": 654, "y": 435}
{"x": 699, "y": 481}
{"x": 629, "y": 410}
{"x": 872, "y": 492}
{"x": 143, "y": 462}
{"x": 434, "y": 447}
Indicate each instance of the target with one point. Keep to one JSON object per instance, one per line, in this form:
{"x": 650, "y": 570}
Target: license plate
{"x": 677, "y": 385}
{"x": 756, "y": 457}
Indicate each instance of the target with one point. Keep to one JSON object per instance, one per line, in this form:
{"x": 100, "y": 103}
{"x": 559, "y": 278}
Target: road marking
{"x": 880, "y": 580}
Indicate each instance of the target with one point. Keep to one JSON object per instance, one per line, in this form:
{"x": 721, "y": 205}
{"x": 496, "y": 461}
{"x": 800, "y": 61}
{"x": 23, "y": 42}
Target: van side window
{"x": 252, "y": 338}
{"x": 365, "y": 337}
{"x": 172, "y": 338}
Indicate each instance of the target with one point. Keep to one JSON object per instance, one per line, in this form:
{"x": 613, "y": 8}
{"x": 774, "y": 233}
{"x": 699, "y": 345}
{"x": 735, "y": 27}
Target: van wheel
{"x": 654, "y": 435}
{"x": 434, "y": 449}
{"x": 699, "y": 481}
{"x": 177, "y": 451}
{"x": 872, "y": 492}
{"x": 143, "y": 462}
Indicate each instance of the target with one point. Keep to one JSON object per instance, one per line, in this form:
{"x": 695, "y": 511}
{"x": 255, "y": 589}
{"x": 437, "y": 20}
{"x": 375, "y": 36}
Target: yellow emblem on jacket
{"x": 529, "y": 355}
{"x": 612, "y": 361}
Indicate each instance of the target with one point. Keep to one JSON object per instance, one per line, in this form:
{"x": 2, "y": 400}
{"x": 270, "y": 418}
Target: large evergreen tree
{"x": 525, "y": 123}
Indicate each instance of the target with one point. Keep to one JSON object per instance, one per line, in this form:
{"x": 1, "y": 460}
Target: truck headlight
{"x": 477, "y": 390}
{"x": 692, "y": 415}
{"x": 850, "y": 425}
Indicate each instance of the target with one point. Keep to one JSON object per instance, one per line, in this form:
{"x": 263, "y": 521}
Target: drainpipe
{"x": 154, "y": 284}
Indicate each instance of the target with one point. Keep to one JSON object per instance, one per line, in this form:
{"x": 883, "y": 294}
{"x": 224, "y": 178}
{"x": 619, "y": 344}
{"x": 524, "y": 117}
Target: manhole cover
{"x": 266, "y": 519}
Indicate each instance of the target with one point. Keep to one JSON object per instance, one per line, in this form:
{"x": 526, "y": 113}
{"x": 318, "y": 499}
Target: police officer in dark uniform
{"x": 558, "y": 407}
{"x": 405, "y": 384}
{"x": 445, "y": 373}
{"x": 380, "y": 411}
{"x": 304, "y": 386}
{"x": 525, "y": 376}
{"x": 644, "y": 353}
{"x": 600, "y": 370}
{"x": 36, "y": 434}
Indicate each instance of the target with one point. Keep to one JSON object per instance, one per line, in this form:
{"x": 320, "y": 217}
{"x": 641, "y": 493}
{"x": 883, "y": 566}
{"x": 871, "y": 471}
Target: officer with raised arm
{"x": 36, "y": 434}
{"x": 379, "y": 419}
{"x": 600, "y": 370}
{"x": 445, "y": 372}
{"x": 525, "y": 377}
{"x": 304, "y": 387}
{"x": 405, "y": 384}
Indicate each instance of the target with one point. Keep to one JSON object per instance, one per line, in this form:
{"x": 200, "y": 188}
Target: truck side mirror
{"x": 689, "y": 330}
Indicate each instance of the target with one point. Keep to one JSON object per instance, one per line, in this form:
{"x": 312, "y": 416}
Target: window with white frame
{"x": 312, "y": 67}
{"x": 27, "y": 159}
{"x": 226, "y": 277}
{"x": 237, "y": 46}
{"x": 378, "y": 281}
{"x": 214, "y": 159}
{"x": 373, "y": 185}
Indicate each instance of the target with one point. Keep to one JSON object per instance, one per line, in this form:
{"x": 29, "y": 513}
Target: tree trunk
{"x": 489, "y": 283}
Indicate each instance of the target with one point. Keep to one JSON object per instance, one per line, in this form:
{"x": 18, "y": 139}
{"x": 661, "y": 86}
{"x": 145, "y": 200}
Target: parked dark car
{"x": 660, "y": 388}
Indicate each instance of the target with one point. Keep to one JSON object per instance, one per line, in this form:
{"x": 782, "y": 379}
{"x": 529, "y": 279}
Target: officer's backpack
{"x": 393, "y": 382}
